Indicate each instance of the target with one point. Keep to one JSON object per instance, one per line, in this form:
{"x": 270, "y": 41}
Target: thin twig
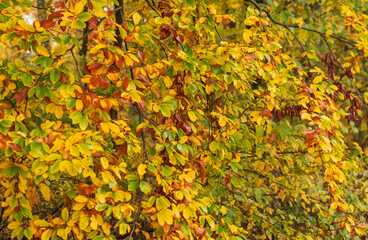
{"x": 153, "y": 8}
{"x": 297, "y": 26}
{"x": 76, "y": 63}
{"x": 137, "y": 216}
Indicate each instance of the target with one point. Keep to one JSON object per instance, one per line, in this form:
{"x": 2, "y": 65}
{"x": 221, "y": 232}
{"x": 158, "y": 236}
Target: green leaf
{"x": 28, "y": 233}
{"x": 55, "y": 167}
{"x": 132, "y": 177}
{"x": 11, "y": 171}
{"x": 75, "y": 41}
{"x": 167, "y": 171}
{"x": 165, "y": 110}
{"x": 13, "y": 202}
{"x": 284, "y": 16}
{"x": 66, "y": 39}
{"x": 6, "y": 123}
{"x": 83, "y": 123}
{"x": 32, "y": 91}
{"x": 101, "y": 207}
{"x": 71, "y": 104}
{"x": 80, "y": 24}
{"x": 27, "y": 79}
{"x": 259, "y": 131}
{"x": 145, "y": 187}
{"x": 54, "y": 75}
{"x": 133, "y": 186}
{"x": 41, "y": 92}
{"x": 40, "y": 60}
{"x": 84, "y": 16}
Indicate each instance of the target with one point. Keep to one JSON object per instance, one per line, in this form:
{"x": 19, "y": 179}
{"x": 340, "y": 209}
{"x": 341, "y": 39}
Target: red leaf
{"x": 19, "y": 97}
{"x": 125, "y": 83}
{"x": 180, "y": 38}
{"x": 15, "y": 147}
{"x": 86, "y": 100}
{"x": 187, "y": 128}
{"x": 59, "y": 4}
{"x": 94, "y": 81}
{"x": 309, "y": 133}
{"x": 139, "y": 132}
{"x": 93, "y": 21}
{"x": 141, "y": 105}
{"x": 349, "y": 74}
{"x": 57, "y": 14}
{"x": 117, "y": 94}
{"x": 119, "y": 62}
{"x": 96, "y": 103}
{"x": 84, "y": 189}
{"x": 104, "y": 83}
{"x": 4, "y": 105}
{"x": 122, "y": 149}
{"x": 141, "y": 56}
{"x": 96, "y": 154}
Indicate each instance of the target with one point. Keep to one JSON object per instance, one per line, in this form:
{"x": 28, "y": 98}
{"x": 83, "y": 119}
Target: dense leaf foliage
{"x": 183, "y": 119}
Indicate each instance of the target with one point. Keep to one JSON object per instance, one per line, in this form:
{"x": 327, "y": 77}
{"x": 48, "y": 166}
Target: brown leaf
{"x": 104, "y": 83}
{"x": 180, "y": 39}
{"x": 125, "y": 83}
{"x": 15, "y": 147}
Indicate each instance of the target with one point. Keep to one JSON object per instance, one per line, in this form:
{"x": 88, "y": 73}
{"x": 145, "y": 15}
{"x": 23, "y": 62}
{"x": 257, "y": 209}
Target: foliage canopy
{"x": 183, "y": 119}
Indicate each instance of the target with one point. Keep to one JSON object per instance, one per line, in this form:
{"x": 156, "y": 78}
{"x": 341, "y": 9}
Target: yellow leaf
{"x": 142, "y": 169}
{"x": 135, "y": 96}
{"x": 334, "y": 205}
{"x": 14, "y": 225}
{"x": 74, "y": 151}
{"x": 192, "y": 116}
{"x": 136, "y": 18}
{"x": 113, "y": 127}
{"x": 45, "y": 190}
{"x": 105, "y": 162}
{"x": 94, "y": 223}
{"x": 81, "y": 199}
{"x": 329, "y": 32}
{"x": 83, "y": 222}
{"x": 106, "y": 228}
{"x": 196, "y": 140}
{"x": 133, "y": 57}
{"x": 41, "y": 223}
{"x": 178, "y": 195}
{"x": 183, "y": 139}
{"x": 46, "y": 235}
{"x": 59, "y": 112}
{"x": 162, "y": 203}
{"x": 187, "y": 213}
{"x": 348, "y": 227}
{"x": 234, "y": 229}
{"x": 317, "y": 79}
{"x": 128, "y": 60}
{"x": 105, "y": 128}
{"x": 222, "y": 120}
{"x": 247, "y": 35}
{"x": 79, "y": 105}
{"x": 42, "y": 51}
{"x": 65, "y": 214}
{"x": 165, "y": 215}
{"x": 79, "y": 7}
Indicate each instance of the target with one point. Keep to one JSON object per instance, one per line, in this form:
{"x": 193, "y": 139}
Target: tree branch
{"x": 297, "y": 26}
